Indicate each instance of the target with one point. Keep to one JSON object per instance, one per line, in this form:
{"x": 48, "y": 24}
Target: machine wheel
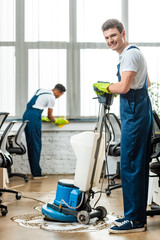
{"x": 103, "y": 211}
{"x": 108, "y": 192}
{"x": 4, "y": 211}
{"x": 83, "y": 217}
{"x": 18, "y": 197}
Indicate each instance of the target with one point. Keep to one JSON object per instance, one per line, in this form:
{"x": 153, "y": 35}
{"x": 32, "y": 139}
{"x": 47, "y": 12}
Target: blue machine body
{"x": 52, "y": 214}
{"x": 71, "y": 204}
{"x": 71, "y": 196}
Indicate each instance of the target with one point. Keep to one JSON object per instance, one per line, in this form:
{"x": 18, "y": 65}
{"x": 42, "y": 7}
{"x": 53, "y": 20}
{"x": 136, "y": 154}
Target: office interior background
{"x": 43, "y": 42}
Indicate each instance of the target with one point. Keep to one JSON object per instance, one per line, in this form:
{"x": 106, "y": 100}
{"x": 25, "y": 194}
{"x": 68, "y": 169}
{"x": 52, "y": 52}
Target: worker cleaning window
{"x": 42, "y": 99}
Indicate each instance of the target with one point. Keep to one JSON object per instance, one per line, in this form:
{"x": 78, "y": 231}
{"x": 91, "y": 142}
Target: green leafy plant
{"x": 154, "y": 93}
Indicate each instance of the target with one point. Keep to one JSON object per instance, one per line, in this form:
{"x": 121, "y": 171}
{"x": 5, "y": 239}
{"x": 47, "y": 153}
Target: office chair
{"x": 113, "y": 130}
{"x": 3, "y": 162}
{"x": 155, "y": 166}
{"x": 15, "y": 146}
{"x": 6, "y": 160}
{"x": 3, "y": 116}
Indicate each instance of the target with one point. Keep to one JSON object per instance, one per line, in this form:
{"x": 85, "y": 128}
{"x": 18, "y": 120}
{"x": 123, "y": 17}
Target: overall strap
{"x": 118, "y": 72}
{"x": 131, "y": 47}
{"x": 41, "y": 93}
{"x": 34, "y": 98}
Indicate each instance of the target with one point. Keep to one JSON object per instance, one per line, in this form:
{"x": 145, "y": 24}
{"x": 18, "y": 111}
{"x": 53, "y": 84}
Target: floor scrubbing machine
{"x": 72, "y": 201}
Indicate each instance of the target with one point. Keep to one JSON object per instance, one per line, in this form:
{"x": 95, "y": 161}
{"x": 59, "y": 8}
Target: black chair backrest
{"x": 3, "y": 139}
{"x": 14, "y": 143}
{"x": 156, "y": 124}
{"x": 3, "y": 116}
{"x": 114, "y": 127}
{"x": 156, "y": 137}
{"x": 20, "y": 131}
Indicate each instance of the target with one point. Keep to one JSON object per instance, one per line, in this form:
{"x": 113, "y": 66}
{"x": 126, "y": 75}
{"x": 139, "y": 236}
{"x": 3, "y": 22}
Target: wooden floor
{"x": 24, "y": 220}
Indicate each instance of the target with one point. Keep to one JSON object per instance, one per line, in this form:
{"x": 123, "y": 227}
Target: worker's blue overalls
{"x": 136, "y": 132}
{"x": 33, "y": 134}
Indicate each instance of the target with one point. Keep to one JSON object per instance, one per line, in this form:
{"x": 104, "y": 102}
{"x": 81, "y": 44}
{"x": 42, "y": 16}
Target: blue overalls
{"x": 33, "y": 134}
{"x": 136, "y": 132}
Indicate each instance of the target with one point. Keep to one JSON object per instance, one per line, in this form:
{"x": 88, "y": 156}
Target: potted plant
{"x": 154, "y": 93}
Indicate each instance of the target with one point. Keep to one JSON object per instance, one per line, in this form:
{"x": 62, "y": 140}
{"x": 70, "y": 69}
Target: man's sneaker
{"x": 119, "y": 221}
{"x": 127, "y": 227}
{"x": 39, "y": 177}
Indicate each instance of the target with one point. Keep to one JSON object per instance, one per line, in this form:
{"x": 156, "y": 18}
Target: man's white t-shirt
{"x": 44, "y": 100}
{"x": 133, "y": 60}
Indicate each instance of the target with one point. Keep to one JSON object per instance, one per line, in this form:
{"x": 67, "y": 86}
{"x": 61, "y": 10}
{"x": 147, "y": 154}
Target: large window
{"x": 7, "y": 56}
{"x": 7, "y": 82}
{"x": 43, "y": 42}
{"x": 7, "y": 20}
{"x": 143, "y": 31}
{"x": 96, "y": 62}
{"x": 144, "y": 25}
{"x": 96, "y": 65}
{"x": 90, "y": 16}
{"x": 46, "y": 20}
{"x": 46, "y": 67}
{"x": 152, "y": 55}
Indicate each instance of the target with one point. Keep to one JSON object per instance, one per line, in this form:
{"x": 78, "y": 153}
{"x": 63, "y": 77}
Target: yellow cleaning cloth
{"x": 61, "y": 125}
{"x": 58, "y": 121}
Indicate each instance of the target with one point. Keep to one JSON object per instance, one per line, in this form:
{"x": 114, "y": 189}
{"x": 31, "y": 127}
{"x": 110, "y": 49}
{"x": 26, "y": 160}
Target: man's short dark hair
{"x": 112, "y": 23}
{"x": 60, "y": 87}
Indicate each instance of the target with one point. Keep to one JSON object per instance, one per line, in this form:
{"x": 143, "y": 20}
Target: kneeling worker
{"x": 42, "y": 99}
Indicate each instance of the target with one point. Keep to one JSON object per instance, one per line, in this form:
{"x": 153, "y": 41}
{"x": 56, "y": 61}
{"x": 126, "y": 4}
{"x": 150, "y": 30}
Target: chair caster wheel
{"x": 26, "y": 179}
{"x": 18, "y": 197}
{"x": 108, "y": 192}
{"x": 4, "y": 211}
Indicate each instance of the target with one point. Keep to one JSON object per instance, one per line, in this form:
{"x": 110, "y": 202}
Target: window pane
{"x": 45, "y": 71}
{"x": 91, "y": 14}
{"x": 96, "y": 65}
{"x": 152, "y": 55}
{"x": 7, "y": 20}
{"x": 46, "y": 20}
{"x": 7, "y": 73}
{"x": 144, "y": 21}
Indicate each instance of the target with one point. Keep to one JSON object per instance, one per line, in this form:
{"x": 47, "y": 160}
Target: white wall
{"x": 57, "y": 156}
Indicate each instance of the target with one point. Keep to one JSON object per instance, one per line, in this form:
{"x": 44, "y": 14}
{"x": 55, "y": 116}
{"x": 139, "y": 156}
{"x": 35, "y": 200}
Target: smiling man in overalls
{"x": 136, "y": 127}
{"x": 42, "y": 99}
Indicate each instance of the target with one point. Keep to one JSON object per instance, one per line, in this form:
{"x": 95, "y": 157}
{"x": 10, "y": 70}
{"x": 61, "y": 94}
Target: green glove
{"x": 45, "y": 119}
{"x": 60, "y": 121}
{"x": 101, "y": 88}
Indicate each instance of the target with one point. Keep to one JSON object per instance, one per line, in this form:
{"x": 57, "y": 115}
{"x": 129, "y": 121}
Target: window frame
{"x": 73, "y": 57}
